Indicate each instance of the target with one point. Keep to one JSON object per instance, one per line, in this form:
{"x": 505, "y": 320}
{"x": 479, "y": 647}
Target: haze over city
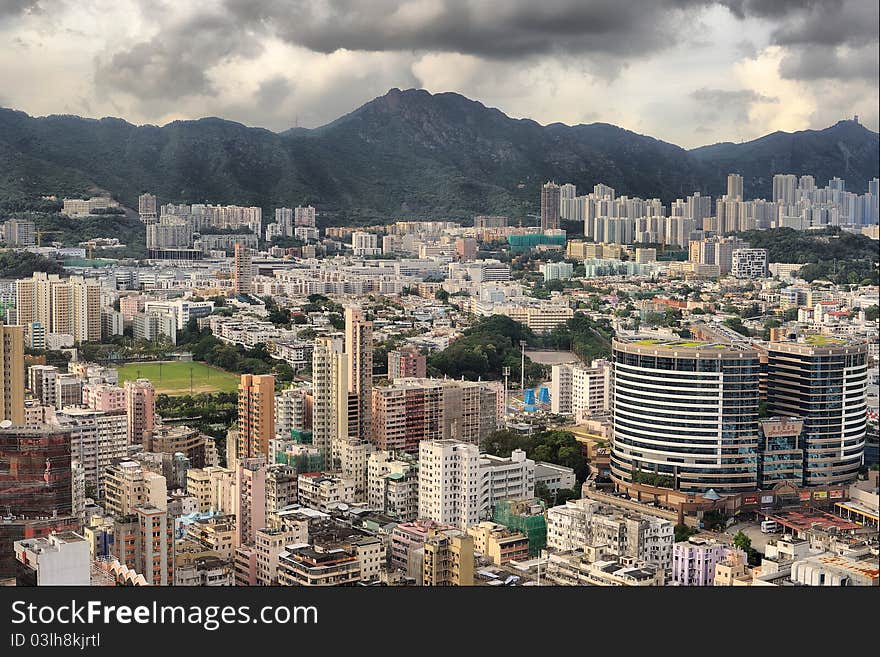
{"x": 686, "y": 71}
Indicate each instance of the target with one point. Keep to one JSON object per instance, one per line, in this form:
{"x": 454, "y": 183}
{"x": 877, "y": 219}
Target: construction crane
{"x": 40, "y": 233}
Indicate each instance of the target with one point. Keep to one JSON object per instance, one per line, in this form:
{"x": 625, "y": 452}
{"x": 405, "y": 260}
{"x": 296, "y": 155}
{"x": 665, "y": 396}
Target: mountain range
{"x": 407, "y": 154}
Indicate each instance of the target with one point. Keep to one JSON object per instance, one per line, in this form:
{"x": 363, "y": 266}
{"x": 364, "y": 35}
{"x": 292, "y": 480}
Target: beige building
{"x": 335, "y": 558}
{"x": 499, "y": 543}
{"x": 70, "y": 306}
{"x": 216, "y": 534}
{"x": 213, "y": 487}
{"x": 12, "y": 362}
{"x": 412, "y": 410}
{"x": 448, "y": 559}
{"x": 127, "y": 485}
{"x": 271, "y": 542}
{"x": 393, "y": 485}
{"x": 144, "y": 541}
{"x": 324, "y": 492}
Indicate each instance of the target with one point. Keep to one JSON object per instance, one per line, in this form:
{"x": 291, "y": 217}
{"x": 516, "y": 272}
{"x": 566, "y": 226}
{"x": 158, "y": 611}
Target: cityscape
{"x": 435, "y": 294}
{"x": 659, "y": 400}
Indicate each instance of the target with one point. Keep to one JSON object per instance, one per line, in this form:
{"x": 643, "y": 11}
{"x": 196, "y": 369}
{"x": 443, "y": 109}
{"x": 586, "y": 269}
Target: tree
{"x": 683, "y": 532}
{"x": 742, "y": 541}
{"x": 441, "y": 295}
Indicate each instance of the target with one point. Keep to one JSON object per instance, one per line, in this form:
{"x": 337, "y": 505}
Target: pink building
{"x": 246, "y": 565}
{"x": 130, "y": 305}
{"x": 104, "y": 397}
{"x": 407, "y": 362}
{"x": 466, "y": 248}
{"x": 693, "y": 561}
{"x": 249, "y": 504}
{"x": 409, "y": 536}
{"x": 140, "y": 406}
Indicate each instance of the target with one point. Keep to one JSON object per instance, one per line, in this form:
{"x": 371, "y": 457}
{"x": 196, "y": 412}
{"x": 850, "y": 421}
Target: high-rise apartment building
{"x": 823, "y": 381}
{"x": 12, "y": 365}
{"x": 359, "y": 353}
{"x": 734, "y": 186}
{"x": 460, "y": 487}
{"x": 579, "y": 390}
{"x": 68, "y": 390}
{"x": 293, "y": 411}
{"x": 250, "y": 499}
{"x": 96, "y": 439}
{"x": 71, "y": 306}
{"x": 330, "y": 394}
{"x": 365, "y": 244}
{"x": 412, "y": 410}
{"x": 256, "y": 415}
{"x": 41, "y": 383}
{"x": 785, "y": 187}
{"x": 304, "y": 216}
{"x": 407, "y": 363}
{"x": 140, "y": 409}
{"x": 148, "y": 208}
{"x": 144, "y": 541}
{"x": 484, "y": 222}
{"x": 749, "y": 263}
{"x": 393, "y": 485}
{"x": 550, "y": 205}
{"x": 243, "y": 270}
{"x": 685, "y": 415}
{"x": 127, "y": 485}
{"x": 19, "y": 232}
{"x": 448, "y": 559}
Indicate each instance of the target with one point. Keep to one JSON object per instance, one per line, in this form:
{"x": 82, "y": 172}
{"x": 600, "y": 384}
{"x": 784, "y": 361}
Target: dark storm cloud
{"x": 494, "y": 29}
{"x": 834, "y": 39}
{"x": 174, "y": 63}
{"x": 727, "y": 104}
{"x": 15, "y": 8}
{"x": 607, "y": 33}
{"x": 768, "y": 8}
{"x": 274, "y": 91}
{"x": 828, "y": 63}
{"x": 831, "y": 40}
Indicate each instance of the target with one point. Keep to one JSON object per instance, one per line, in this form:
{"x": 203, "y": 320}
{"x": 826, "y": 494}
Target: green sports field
{"x": 173, "y": 377}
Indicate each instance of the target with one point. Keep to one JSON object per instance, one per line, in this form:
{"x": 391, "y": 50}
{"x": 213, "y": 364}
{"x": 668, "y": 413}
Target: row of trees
{"x": 207, "y": 348}
{"x": 491, "y": 344}
{"x": 559, "y": 447}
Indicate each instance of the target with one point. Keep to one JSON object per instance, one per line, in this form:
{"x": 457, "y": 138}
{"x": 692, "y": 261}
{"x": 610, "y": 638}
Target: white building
{"x": 96, "y": 439}
{"x": 62, "y": 559}
{"x": 579, "y": 390}
{"x": 182, "y": 309}
{"x": 365, "y": 244}
{"x": 555, "y": 477}
{"x": 324, "y": 492}
{"x": 749, "y": 263}
{"x": 459, "y": 486}
{"x": 393, "y": 485}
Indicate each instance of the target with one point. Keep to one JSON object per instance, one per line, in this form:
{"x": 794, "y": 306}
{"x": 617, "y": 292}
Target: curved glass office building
{"x": 685, "y": 415}
{"x": 823, "y": 380}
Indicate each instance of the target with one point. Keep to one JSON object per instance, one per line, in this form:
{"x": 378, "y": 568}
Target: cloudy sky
{"x": 687, "y": 71}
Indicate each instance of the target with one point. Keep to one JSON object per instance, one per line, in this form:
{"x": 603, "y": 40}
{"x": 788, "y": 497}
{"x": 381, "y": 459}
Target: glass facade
{"x": 35, "y": 476}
